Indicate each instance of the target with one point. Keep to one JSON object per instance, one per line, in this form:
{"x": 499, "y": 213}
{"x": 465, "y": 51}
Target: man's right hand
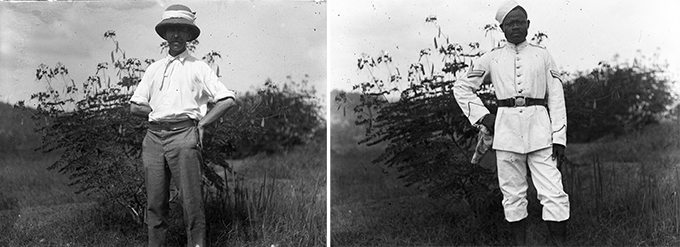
{"x": 489, "y": 120}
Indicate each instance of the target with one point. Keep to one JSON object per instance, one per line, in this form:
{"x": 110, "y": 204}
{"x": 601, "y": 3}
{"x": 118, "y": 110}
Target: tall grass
{"x": 623, "y": 192}
{"x": 270, "y": 200}
{"x": 273, "y": 200}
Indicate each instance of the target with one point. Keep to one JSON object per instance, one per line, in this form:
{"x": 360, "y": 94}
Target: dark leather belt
{"x": 520, "y": 101}
{"x": 171, "y": 125}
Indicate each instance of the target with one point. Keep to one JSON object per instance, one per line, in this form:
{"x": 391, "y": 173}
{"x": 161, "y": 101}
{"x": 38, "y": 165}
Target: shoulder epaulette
{"x": 536, "y": 45}
{"x": 497, "y": 47}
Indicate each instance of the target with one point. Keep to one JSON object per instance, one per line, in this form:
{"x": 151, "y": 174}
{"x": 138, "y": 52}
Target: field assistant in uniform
{"x": 530, "y": 126}
{"x": 173, "y": 95}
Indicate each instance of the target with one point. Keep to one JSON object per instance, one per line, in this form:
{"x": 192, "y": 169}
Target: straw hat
{"x": 178, "y": 15}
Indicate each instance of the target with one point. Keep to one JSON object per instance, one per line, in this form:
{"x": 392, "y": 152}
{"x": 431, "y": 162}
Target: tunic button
{"x": 518, "y": 75}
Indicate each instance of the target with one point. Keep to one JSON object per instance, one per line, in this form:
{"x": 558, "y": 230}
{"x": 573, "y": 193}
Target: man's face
{"x": 515, "y": 26}
{"x": 177, "y": 37}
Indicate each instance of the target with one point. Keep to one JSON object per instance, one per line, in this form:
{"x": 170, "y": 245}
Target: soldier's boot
{"x": 519, "y": 232}
{"x": 558, "y": 232}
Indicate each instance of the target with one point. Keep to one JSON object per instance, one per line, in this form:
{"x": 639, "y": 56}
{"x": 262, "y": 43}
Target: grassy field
{"x": 285, "y": 207}
{"x": 623, "y": 190}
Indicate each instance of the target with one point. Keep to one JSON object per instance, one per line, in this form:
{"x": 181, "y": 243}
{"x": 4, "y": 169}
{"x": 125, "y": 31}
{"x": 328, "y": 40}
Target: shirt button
{"x": 518, "y": 75}
{"x": 521, "y": 90}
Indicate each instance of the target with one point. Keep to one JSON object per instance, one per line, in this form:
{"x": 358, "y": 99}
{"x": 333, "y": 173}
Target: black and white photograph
{"x": 286, "y": 123}
{"x": 163, "y": 123}
{"x": 504, "y": 123}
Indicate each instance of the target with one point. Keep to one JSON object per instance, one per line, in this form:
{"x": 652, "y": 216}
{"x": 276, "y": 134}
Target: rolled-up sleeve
{"x": 214, "y": 87}
{"x": 142, "y": 95}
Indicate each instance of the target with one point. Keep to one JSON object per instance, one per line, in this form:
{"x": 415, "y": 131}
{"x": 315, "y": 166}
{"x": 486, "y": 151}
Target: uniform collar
{"x": 517, "y": 47}
{"x": 182, "y": 56}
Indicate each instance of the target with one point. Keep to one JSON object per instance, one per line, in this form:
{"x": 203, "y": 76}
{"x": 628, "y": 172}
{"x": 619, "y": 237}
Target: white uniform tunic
{"x": 518, "y": 70}
{"x": 523, "y": 135}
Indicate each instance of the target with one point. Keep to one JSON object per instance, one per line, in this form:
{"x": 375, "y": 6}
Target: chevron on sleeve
{"x": 476, "y": 73}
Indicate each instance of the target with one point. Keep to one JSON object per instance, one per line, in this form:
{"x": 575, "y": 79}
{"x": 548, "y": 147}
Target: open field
{"x": 623, "y": 192}
{"x": 287, "y": 208}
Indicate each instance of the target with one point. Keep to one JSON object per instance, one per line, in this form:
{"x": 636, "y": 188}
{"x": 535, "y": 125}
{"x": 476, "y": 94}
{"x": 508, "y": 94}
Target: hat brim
{"x": 194, "y": 31}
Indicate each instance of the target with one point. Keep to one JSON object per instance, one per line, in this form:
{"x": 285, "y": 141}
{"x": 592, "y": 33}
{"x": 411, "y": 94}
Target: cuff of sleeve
{"x": 225, "y": 95}
{"x": 225, "y": 98}
{"x": 139, "y": 100}
{"x": 477, "y": 117}
{"x": 559, "y": 140}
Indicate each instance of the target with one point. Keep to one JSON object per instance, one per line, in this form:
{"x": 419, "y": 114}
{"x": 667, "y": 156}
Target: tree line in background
{"x": 429, "y": 141}
{"x": 101, "y": 141}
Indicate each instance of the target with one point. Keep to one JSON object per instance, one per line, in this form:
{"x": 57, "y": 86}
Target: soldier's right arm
{"x": 464, "y": 90}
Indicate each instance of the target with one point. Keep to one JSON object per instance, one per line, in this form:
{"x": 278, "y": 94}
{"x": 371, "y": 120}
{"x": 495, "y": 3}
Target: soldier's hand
{"x": 558, "y": 154}
{"x": 489, "y": 120}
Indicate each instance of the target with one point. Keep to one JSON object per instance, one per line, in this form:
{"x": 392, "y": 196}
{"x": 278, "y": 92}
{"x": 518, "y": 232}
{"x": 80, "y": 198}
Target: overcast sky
{"x": 257, "y": 39}
{"x": 581, "y": 32}
{"x": 274, "y": 39}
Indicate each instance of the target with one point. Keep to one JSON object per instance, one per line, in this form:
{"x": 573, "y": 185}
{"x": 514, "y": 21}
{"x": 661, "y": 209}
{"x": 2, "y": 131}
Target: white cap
{"x": 504, "y": 9}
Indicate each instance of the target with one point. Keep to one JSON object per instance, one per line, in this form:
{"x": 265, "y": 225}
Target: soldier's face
{"x": 515, "y": 26}
{"x": 177, "y": 37}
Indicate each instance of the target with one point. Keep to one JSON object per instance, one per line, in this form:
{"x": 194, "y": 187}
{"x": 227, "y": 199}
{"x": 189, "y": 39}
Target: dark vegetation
{"x": 427, "y": 141}
{"x": 99, "y": 147}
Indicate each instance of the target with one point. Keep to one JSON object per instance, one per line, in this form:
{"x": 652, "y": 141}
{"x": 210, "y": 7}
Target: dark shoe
{"x": 558, "y": 232}
{"x": 519, "y": 232}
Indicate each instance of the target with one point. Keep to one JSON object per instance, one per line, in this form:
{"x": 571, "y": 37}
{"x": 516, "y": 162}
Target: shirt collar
{"x": 182, "y": 56}
{"x": 517, "y": 47}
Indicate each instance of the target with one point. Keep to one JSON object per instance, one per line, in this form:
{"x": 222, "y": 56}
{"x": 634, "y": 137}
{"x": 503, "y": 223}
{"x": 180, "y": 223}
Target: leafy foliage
{"x": 101, "y": 140}
{"x": 616, "y": 99}
{"x": 91, "y": 124}
{"x": 428, "y": 138}
{"x": 290, "y": 116}
{"x": 429, "y": 141}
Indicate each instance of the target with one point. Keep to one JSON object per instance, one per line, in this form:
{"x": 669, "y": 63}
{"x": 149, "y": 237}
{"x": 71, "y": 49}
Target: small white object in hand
{"x": 484, "y": 143}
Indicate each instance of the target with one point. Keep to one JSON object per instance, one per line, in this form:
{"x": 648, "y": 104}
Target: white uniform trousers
{"x": 512, "y": 173}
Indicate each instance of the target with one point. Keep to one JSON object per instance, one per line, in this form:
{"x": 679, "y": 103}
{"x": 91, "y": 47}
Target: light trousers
{"x": 512, "y": 179}
{"x": 173, "y": 154}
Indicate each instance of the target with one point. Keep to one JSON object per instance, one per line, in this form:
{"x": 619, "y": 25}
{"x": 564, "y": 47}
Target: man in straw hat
{"x": 530, "y": 126}
{"x": 173, "y": 94}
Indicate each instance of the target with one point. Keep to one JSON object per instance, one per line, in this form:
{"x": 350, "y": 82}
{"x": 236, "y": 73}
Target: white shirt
{"x": 518, "y": 70}
{"x": 179, "y": 87}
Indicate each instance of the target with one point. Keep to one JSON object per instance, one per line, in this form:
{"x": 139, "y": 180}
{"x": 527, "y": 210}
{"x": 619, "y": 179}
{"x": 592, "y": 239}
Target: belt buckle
{"x": 520, "y": 101}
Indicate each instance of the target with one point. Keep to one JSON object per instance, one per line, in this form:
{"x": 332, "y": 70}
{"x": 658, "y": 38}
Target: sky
{"x": 257, "y": 40}
{"x": 581, "y": 33}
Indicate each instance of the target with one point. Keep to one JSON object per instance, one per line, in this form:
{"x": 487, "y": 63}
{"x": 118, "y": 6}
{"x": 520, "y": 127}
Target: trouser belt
{"x": 519, "y": 102}
{"x": 154, "y": 125}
